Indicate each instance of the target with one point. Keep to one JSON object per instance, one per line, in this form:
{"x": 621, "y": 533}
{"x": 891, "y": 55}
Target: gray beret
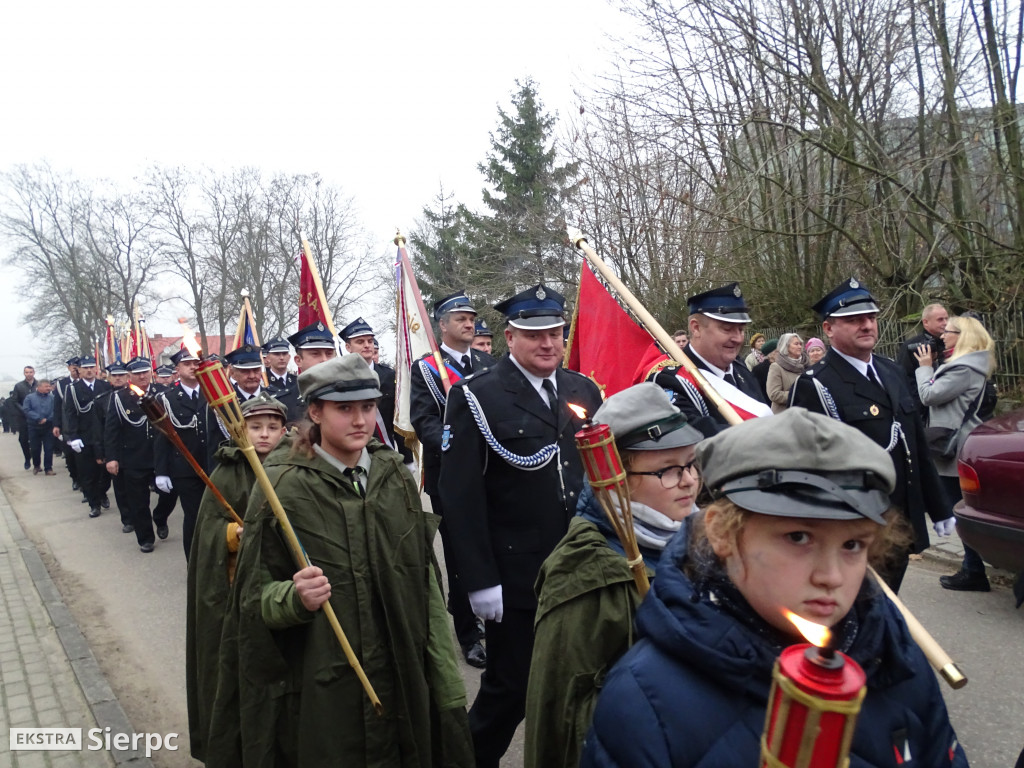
{"x": 643, "y": 419}
{"x": 264, "y": 403}
{"x": 341, "y": 378}
{"x": 799, "y": 464}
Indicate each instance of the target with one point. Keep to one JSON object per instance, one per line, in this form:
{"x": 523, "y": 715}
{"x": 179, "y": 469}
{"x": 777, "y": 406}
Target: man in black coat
{"x": 869, "y": 392}
{"x": 83, "y": 432}
{"x": 60, "y": 391}
{"x": 718, "y": 323}
{"x": 358, "y": 337}
{"x": 455, "y": 317}
{"x": 510, "y": 480}
{"x": 313, "y": 344}
{"x": 117, "y": 378}
{"x": 246, "y": 371}
{"x": 277, "y": 353}
{"x": 933, "y": 320}
{"x": 197, "y": 426}
{"x": 22, "y": 390}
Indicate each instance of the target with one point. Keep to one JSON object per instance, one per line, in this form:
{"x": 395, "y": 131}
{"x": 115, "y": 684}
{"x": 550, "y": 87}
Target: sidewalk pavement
{"x": 49, "y": 677}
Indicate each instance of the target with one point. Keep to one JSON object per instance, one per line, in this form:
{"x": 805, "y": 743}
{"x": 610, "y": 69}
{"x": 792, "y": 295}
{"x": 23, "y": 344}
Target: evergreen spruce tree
{"x": 439, "y": 250}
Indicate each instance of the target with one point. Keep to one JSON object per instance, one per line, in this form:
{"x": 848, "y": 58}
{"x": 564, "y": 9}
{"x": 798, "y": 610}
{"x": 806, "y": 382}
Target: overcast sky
{"x": 388, "y": 100}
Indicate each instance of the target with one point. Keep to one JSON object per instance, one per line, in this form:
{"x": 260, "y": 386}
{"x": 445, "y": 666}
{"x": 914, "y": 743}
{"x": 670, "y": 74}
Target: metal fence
{"x": 1006, "y": 329}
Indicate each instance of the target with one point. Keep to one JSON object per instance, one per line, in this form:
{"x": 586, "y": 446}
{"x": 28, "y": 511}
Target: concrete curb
{"x": 103, "y": 703}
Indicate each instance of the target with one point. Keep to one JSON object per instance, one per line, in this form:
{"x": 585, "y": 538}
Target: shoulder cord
{"x": 827, "y": 403}
{"x": 895, "y": 431}
{"x": 170, "y": 415}
{"x": 535, "y": 461}
{"x": 428, "y": 377}
{"x": 78, "y": 405}
{"x": 124, "y": 414}
{"x": 694, "y": 394}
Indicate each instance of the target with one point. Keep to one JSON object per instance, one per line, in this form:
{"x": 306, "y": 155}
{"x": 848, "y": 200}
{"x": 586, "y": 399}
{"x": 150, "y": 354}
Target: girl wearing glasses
{"x": 586, "y": 596}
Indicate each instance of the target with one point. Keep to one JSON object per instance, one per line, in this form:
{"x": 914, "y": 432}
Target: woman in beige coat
{"x": 789, "y": 364}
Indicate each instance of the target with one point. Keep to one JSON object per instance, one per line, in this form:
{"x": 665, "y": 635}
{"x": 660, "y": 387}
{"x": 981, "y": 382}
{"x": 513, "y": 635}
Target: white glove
{"x": 486, "y": 603}
{"x": 945, "y": 527}
{"x": 163, "y": 483}
{"x": 76, "y": 446}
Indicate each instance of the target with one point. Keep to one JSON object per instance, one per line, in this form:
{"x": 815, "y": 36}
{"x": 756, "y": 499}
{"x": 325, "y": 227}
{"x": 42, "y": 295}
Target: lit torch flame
{"x": 579, "y": 410}
{"x": 188, "y": 339}
{"x": 137, "y": 391}
{"x": 816, "y": 634}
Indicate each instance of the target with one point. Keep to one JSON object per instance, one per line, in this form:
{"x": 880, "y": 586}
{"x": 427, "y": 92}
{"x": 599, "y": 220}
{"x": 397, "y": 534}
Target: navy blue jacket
{"x": 693, "y": 690}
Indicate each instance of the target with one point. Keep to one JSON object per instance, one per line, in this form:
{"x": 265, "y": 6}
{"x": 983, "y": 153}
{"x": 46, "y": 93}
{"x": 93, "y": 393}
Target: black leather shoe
{"x": 127, "y": 528}
{"x": 28, "y": 465}
{"x": 75, "y": 486}
{"x": 162, "y": 531}
{"x": 962, "y": 581}
{"x": 475, "y": 655}
{"x": 147, "y": 548}
{"x": 105, "y": 502}
{"x": 85, "y": 500}
{"x": 95, "y": 512}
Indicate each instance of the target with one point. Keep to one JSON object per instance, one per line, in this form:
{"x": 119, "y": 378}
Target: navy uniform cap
{"x": 357, "y": 327}
{"x": 725, "y": 303}
{"x": 246, "y": 356}
{"x": 313, "y": 336}
{"x": 117, "y": 368}
{"x": 73, "y": 360}
{"x": 87, "y": 361}
{"x": 848, "y": 298}
{"x": 182, "y": 355}
{"x": 276, "y": 344}
{"x": 457, "y": 302}
{"x": 139, "y": 364}
{"x": 534, "y": 309}
{"x": 165, "y": 370}
{"x": 480, "y": 328}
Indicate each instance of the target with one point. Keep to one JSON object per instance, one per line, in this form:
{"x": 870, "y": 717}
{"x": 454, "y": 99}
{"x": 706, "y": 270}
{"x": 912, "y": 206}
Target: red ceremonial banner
{"x": 310, "y": 310}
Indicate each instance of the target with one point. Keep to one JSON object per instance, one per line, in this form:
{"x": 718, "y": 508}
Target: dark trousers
{"x": 467, "y": 630}
{"x": 91, "y": 476}
{"x": 117, "y": 482}
{"x": 190, "y": 494}
{"x": 501, "y": 703}
{"x": 40, "y": 440}
{"x": 71, "y": 458}
{"x": 23, "y": 441}
{"x": 136, "y": 489}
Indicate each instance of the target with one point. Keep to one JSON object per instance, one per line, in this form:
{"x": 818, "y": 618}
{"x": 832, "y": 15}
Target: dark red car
{"x": 991, "y": 466}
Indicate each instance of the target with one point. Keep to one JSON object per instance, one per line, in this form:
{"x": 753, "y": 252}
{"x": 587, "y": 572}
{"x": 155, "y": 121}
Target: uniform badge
{"x": 671, "y": 395}
{"x": 483, "y": 323}
{"x": 540, "y": 294}
{"x": 320, "y": 326}
{"x": 446, "y": 437}
{"x": 854, "y": 283}
{"x": 873, "y": 410}
{"x": 737, "y": 292}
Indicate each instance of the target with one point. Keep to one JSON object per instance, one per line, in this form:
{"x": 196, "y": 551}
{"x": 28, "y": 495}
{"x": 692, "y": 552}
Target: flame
{"x": 816, "y": 634}
{"x": 188, "y": 339}
{"x": 579, "y": 410}
{"x": 137, "y": 391}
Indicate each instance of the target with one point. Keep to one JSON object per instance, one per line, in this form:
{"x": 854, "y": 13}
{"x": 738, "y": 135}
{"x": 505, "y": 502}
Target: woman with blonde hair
{"x": 790, "y": 363}
{"x": 953, "y": 395}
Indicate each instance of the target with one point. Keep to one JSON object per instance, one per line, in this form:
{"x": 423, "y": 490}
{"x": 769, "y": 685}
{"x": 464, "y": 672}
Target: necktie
{"x": 729, "y": 378}
{"x": 353, "y": 474}
{"x": 871, "y": 376}
{"x": 549, "y": 390}
{"x": 467, "y": 364}
{"x": 195, "y": 395}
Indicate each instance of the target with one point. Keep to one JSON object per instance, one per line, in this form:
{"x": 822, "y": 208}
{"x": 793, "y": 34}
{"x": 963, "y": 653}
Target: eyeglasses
{"x": 670, "y": 477}
{"x": 949, "y": 330}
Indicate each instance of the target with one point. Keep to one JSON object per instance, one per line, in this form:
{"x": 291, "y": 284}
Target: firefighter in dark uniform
{"x": 117, "y": 378}
{"x": 188, "y": 413}
{"x": 482, "y": 336}
{"x": 510, "y": 480}
{"x": 869, "y": 392}
{"x": 359, "y": 339}
{"x": 128, "y": 444}
{"x": 717, "y": 326}
{"x": 246, "y": 370}
{"x": 313, "y": 344}
{"x": 455, "y": 317}
{"x": 163, "y": 378}
{"x": 60, "y": 391}
{"x": 83, "y": 432}
{"x": 277, "y": 352}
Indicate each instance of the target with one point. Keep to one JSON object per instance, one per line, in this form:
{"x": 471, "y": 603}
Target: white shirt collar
{"x": 711, "y": 367}
{"x": 860, "y": 365}
{"x": 454, "y": 354}
{"x": 536, "y": 381}
{"x": 187, "y": 389}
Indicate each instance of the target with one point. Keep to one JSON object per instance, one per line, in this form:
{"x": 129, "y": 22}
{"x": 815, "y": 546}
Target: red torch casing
{"x": 812, "y": 710}
{"x": 213, "y": 381}
{"x": 600, "y": 457}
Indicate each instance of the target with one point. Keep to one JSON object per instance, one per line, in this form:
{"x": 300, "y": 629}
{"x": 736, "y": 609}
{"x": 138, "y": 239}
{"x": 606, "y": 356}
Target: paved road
{"x": 131, "y": 606}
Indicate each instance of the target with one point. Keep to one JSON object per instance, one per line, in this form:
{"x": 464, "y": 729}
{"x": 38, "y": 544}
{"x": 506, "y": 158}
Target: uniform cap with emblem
{"x": 76, "y": 360}
{"x": 165, "y": 370}
{"x": 182, "y": 355}
{"x": 87, "y": 361}
{"x": 276, "y": 344}
{"x": 246, "y": 356}
{"x": 139, "y": 364}
{"x": 799, "y": 464}
{"x": 457, "y": 302}
{"x": 356, "y": 328}
{"x": 341, "y": 378}
{"x": 117, "y": 368}
{"x": 534, "y": 309}
{"x": 480, "y": 328}
{"x": 264, "y": 403}
{"x": 725, "y": 303}
{"x": 313, "y": 336}
{"x": 848, "y": 298}
{"x": 642, "y": 419}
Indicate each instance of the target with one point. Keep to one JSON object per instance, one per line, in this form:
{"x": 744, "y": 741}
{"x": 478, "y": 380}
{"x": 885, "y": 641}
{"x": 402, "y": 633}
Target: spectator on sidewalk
{"x": 38, "y": 410}
{"x": 933, "y": 321}
{"x": 760, "y": 371}
{"x": 19, "y": 393}
{"x": 815, "y": 350}
{"x": 790, "y": 363}
{"x": 756, "y": 356}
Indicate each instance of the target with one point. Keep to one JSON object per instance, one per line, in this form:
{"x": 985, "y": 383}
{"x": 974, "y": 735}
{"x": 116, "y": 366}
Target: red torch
{"x": 814, "y": 702}
{"x": 603, "y": 465}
